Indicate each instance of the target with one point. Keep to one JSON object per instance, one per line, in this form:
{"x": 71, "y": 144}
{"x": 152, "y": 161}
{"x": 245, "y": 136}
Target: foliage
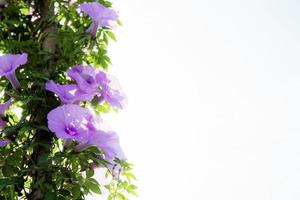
{"x": 31, "y": 163}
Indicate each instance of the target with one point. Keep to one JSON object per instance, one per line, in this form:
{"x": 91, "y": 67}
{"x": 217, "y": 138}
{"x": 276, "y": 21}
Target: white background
{"x": 213, "y": 91}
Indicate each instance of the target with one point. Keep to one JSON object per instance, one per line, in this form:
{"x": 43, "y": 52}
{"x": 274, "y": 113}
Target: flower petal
{"x": 92, "y": 9}
{"x": 4, "y": 143}
{"x": 10, "y": 62}
{"x": 70, "y": 122}
{"x": 69, "y": 93}
{"x": 5, "y": 106}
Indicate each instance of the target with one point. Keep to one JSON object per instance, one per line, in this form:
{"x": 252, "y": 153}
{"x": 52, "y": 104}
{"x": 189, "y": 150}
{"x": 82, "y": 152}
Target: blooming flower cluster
{"x": 90, "y": 83}
{"x": 71, "y": 121}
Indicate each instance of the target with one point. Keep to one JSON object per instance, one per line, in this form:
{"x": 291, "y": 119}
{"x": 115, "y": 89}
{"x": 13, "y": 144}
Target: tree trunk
{"x": 41, "y": 151}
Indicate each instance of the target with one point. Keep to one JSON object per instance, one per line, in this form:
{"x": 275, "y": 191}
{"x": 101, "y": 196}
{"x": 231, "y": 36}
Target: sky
{"x": 213, "y": 89}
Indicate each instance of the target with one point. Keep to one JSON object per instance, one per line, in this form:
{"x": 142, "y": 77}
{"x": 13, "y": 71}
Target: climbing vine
{"x": 55, "y": 88}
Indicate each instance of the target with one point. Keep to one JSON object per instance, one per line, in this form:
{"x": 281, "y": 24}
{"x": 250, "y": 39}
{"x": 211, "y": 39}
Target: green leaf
{"x": 111, "y": 35}
{"x": 76, "y": 191}
{"x": 24, "y": 11}
{"x": 49, "y": 196}
{"x": 119, "y": 23}
{"x": 131, "y": 189}
{"x": 7, "y": 181}
{"x": 9, "y": 170}
{"x": 130, "y": 176}
{"x": 121, "y": 196}
{"x": 93, "y": 185}
{"x": 111, "y": 196}
{"x": 42, "y": 158}
{"x": 89, "y": 173}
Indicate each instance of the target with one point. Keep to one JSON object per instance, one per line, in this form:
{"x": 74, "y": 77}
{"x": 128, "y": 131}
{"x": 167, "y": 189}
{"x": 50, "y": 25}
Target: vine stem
{"x": 116, "y": 190}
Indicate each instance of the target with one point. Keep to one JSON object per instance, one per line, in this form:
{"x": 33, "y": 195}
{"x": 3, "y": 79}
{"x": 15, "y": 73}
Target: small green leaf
{"x": 131, "y": 187}
{"x": 89, "y": 173}
{"x": 93, "y": 185}
{"x": 110, "y": 197}
{"x": 111, "y": 35}
{"x": 121, "y": 196}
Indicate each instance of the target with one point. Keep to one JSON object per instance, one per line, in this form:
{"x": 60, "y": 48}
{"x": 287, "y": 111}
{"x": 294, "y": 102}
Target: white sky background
{"x": 214, "y": 98}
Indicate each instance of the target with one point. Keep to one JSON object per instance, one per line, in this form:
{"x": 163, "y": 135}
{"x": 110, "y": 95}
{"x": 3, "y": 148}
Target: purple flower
{"x": 106, "y": 140}
{"x": 92, "y": 80}
{"x": 102, "y": 16}
{"x": 109, "y": 143}
{"x": 68, "y": 94}
{"x": 112, "y": 92}
{"x": 2, "y": 124}
{"x": 4, "y": 143}
{"x": 8, "y": 65}
{"x": 85, "y": 77}
{"x": 3, "y": 108}
{"x": 70, "y": 122}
